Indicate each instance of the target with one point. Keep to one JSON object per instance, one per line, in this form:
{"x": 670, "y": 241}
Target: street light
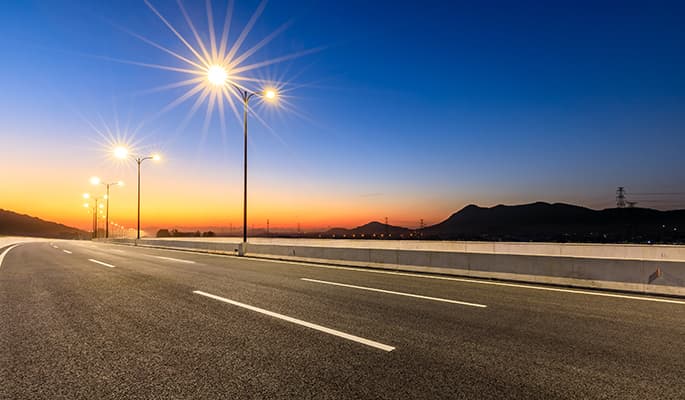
{"x": 88, "y": 197}
{"x": 246, "y": 95}
{"x": 95, "y": 181}
{"x": 122, "y": 153}
{"x": 219, "y": 76}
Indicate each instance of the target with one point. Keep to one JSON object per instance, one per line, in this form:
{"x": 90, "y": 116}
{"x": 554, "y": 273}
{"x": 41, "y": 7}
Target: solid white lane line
{"x": 104, "y": 249}
{"x": 320, "y": 328}
{"x": 464, "y": 303}
{"x": 101, "y": 263}
{"x": 4, "y": 253}
{"x": 66, "y": 251}
{"x": 175, "y": 259}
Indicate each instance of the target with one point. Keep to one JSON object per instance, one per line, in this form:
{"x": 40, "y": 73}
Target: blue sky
{"x": 412, "y": 109}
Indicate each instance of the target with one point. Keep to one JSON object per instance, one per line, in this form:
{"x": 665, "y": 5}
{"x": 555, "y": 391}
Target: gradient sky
{"x": 410, "y": 110}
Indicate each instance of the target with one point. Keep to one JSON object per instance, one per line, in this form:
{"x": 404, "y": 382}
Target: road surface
{"x": 100, "y": 321}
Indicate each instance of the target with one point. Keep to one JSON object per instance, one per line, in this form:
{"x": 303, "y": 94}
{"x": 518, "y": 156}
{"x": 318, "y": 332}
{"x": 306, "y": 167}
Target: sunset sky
{"x": 406, "y": 110}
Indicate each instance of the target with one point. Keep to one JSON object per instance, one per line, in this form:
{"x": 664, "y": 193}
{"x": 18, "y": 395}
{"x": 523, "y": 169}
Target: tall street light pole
{"x": 92, "y": 222}
{"x": 122, "y": 153}
{"x": 95, "y": 219}
{"x": 139, "y": 160}
{"x": 219, "y": 76}
{"x": 246, "y": 95}
{"x": 107, "y": 185}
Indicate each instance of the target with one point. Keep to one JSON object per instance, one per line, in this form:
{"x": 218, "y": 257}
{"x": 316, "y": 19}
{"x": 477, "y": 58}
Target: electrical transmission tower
{"x": 621, "y": 197}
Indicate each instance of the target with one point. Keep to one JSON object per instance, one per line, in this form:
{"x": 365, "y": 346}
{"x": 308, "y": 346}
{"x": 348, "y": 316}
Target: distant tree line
{"x": 176, "y": 233}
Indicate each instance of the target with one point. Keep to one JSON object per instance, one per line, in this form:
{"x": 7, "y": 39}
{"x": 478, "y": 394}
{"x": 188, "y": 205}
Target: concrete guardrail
{"x": 652, "y": 269}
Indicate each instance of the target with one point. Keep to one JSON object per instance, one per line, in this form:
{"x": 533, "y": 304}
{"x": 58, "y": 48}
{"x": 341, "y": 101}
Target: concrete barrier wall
{"x": 637, "y": 268}
{"x": 646, "y": 276}
{"x": 592, "y": 250}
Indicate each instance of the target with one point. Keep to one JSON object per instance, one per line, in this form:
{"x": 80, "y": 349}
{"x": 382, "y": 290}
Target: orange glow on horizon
{"x": 170, "y": 196}
{"x": 160, "y": 211}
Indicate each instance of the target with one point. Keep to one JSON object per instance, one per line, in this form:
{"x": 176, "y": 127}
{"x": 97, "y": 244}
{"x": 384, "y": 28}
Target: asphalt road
{"x": 99, "y": 321}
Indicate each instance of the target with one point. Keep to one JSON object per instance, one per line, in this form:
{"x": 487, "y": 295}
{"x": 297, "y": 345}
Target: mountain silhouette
{"x": 540, "y": 222}
{"x": 14, "y": 224}
{"x": 560, "y": 222}
{"x": 371, "y": 229}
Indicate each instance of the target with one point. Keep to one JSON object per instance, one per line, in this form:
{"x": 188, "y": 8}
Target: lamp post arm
{"x": 139, "y": 161}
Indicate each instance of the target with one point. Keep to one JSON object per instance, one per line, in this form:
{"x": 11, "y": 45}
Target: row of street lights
{"x": 96, "y": 181}
{"x": 218, "y": 77}
{"x": 121, "y": 153}
{"x": 96, "y": 210}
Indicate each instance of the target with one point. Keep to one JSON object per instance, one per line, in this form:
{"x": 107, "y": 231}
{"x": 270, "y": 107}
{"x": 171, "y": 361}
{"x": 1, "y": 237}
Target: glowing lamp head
{"x": 156, "y": 157}
{"x": 120, "y": 152}
{"x": 120, "y": 183}
{"x": 86, "y": 195}
{"x": 95, "y": 180}
{"x": 86, "y": 205}
{"x": 217, "y": 75}
{"x": 270, "y": 94}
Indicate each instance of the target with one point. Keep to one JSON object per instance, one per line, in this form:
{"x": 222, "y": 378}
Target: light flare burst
{"x": 215, "y": 72}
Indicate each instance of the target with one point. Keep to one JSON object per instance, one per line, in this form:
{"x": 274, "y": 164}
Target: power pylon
{"x": 621, "y": 197}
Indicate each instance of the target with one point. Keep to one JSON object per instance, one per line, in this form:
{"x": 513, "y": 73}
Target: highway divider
{"x": 649, "y": 269}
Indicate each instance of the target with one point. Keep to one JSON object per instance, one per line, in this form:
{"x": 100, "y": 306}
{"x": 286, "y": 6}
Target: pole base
{"x": 242, "y": 249}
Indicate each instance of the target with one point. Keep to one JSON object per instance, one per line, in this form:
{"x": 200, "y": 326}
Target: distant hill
{"x": 372, "y": 229}
{"x": 540, "y": 222}
{"x": 13, "y": 224}
{"x": 560, "y": 223}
